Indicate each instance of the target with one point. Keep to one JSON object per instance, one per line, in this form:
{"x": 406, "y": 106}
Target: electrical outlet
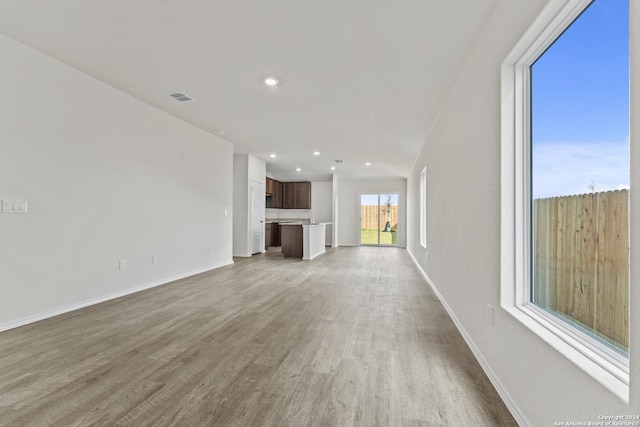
{"x": 14, "y": 206}
{"x": 427, "y": 254}
{"x": 154, "y": 259}
{"x": 122, "y": 264}
{"x": 490, "y": 313}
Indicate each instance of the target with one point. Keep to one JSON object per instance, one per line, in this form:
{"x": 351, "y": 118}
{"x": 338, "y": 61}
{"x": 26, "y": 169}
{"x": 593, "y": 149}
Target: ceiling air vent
{"x": 180, "y": 96}
{"x": 338, "y": 161}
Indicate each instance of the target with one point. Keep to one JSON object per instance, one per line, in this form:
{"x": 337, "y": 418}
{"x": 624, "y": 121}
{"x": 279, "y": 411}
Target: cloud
{"x": 562, "y": 169}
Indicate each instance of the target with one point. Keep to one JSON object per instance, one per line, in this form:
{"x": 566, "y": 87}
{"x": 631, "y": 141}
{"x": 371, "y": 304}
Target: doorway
{"x": 379, "y": 219}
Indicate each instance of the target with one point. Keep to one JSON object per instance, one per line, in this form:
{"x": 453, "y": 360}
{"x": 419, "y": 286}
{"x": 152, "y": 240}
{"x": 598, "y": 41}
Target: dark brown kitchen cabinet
{"x": 288, "y": 195}
{"x": 274, "y": 193}
{"x": 277, "y": 194}
{"x": 292, "y": 241}
{"x": 271, "y": 183}
{"x": 275, "y": 234}
{"x": 297, "y": 195}
{"x": 302, "y": 195}
{"x": 268, "y": 236}
{"x": 271, "y": 234}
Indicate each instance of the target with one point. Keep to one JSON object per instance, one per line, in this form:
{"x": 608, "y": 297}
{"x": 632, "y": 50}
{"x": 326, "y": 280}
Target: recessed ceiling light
{"x": 271, "y": 81}
{"x": 298, "y": 169}
{"x": 273, "y": 156}
{"x": 333, "y": 168}
{"x": 368, "y": 164}
{"x": 316, "y": 153}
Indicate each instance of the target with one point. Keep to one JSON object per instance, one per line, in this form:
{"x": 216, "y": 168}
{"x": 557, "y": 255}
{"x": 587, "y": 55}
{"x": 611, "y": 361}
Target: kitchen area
{"x": 289, "y": 223}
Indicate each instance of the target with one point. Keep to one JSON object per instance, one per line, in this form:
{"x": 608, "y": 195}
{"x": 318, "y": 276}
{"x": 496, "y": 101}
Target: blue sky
{"x": 580, "y": 105}
{"x": 372, "y": 199}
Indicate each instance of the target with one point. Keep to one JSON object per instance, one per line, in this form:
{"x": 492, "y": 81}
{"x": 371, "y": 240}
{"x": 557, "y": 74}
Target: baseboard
{"x": 42, "y": 316}
{"x": 350, "y": 245}
{"x": 242, "y": 255}
{"x": 506, "y": 398}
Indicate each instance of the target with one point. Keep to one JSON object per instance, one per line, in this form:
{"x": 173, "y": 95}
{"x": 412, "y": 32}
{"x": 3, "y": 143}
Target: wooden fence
{"x": 369, "y": 217}
{"x": 581, "y": 260}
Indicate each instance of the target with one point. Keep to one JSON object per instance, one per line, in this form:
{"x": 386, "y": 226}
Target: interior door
{"x": 257, "y": 217}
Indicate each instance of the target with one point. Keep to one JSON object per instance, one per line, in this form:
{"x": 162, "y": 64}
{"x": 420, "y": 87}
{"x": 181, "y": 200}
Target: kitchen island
{"x": 300, "y": 240}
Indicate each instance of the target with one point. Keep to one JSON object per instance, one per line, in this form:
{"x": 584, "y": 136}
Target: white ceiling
{"x": 362, "y": 80}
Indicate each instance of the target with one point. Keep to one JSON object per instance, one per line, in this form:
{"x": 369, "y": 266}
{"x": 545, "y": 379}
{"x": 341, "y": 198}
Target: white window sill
{"x": 612, "y": 371}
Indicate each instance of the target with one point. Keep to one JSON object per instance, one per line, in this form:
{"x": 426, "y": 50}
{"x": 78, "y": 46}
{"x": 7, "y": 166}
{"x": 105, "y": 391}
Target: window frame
{"x": 604, "y": 364}
{"x": 423, "y": 208}
{"x": 380, "y": 207}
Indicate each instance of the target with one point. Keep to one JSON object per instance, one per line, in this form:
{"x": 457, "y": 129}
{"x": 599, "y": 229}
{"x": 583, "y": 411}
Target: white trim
{"x": 313, "y": 241}
{"x": 242, "y": 255}
{"x": 506, "y": 397}
{"x": 87, "y": 303}
{"x": 359, "y": 210}
{"x": 600, "y": 362}
{"x": 423, "y": 207}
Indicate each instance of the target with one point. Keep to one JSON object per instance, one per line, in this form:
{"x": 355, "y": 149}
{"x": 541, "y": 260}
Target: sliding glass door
{"x": 379, "y": 219}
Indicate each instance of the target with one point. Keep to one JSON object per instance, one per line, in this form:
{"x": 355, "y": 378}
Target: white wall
{"x": 335, "y": 227}
{"x": 322, "y": 206}
{"x": 106, "y": 178}
{"x": 349, "y": 206}
{"x": 241, "y": 225}
{"x": 246, "y": 168}
{"x": 257, "y": 173}
{"x": 462, "y": 156}
{"x": 321, "y": 201}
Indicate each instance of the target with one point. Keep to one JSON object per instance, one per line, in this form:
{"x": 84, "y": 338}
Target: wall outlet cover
{"x": 14, "y": 206}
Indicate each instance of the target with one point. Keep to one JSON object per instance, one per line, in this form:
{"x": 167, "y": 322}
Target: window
{"x": 379, "y": 219}
{"x": 565, "y": 169}
{"x": 423, "y": 208}
{"x": 579, "y": 175}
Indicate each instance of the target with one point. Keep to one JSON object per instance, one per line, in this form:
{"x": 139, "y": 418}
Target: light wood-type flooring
{"x": 354, "y": 337}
